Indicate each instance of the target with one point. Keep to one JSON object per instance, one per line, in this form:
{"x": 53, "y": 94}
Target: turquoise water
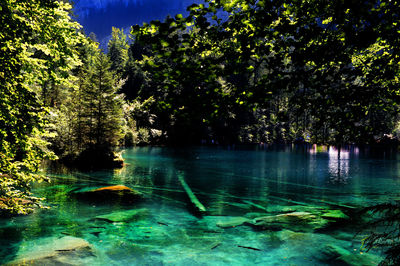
{"x": 237, "y": 186}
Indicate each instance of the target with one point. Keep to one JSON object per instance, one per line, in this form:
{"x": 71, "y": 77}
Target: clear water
{"x": 230, "y": 182}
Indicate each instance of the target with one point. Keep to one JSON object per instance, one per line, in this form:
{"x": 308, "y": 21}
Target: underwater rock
{"x": 216, "y": 224}
{"x": 123, "y": 216}
{"x": 285, "y": 218}
{"x": 295, "y": 240}
{"x": 336, "y": 215}
{"x": 332, "y": 252}
{"x": 67, "y": 250}
{"x": 364, "y": 259}
{"x": 252, "y": 215}
{"x": 118, "y": 193}
{"x": 294, "y": 208}
{"x": 123, "y": 251}
{"x": 271, "y": 239}
{"x": 232, "y": 222}
{"x": 117, "y": 189}
{"x": 297, "y": 221}
{"x": 288, "y": 235}
{"x": 340, "y": 256}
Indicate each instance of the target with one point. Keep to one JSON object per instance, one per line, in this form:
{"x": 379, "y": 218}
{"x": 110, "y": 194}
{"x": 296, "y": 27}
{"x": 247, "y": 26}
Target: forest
{"x": 232, "y": 71}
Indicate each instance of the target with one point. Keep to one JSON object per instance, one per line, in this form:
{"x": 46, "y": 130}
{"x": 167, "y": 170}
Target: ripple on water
{"x": 305, "y": 219}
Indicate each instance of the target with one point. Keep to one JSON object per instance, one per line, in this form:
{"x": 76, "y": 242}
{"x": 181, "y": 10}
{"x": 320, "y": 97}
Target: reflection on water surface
{"x": 265, "y": 205}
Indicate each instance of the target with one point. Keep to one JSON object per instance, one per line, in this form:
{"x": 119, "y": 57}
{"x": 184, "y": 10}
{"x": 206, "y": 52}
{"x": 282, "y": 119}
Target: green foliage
{"x": 35, "y": 50}
{"x": 182, "y": 77}
{"x": 384, "y": 231}
{"x": 231, "y": 71}
{"x": 141, "y": 123}
{"x": 91, "y": 115}
{"x": 322, "y": 71}
{"x": 142, "y": 136}
{"x": 103, "y": 106}
{"x": 118, "y": 50}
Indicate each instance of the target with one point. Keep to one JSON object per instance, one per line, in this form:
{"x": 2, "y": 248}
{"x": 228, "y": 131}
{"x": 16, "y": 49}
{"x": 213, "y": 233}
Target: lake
{"x": 265, "y": 205}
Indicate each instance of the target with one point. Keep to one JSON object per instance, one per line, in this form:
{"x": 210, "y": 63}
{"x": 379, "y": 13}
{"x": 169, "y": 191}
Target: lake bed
{"x": 265, "y": 205}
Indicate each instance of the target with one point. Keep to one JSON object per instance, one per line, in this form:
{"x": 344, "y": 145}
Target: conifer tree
{"x": 118, "y": 50}
{"x": 103, "y": 104}
{"x": 100, "y": 114}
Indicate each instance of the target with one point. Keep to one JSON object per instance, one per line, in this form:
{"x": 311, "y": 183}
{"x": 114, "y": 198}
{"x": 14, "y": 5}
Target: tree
{"x": 183, "y": 78}
{"x": 118, "y": 50}
{"x": 88, "y": 122}
{"x": 98, "y": 124}
{"x": 35, "y": 49}
{"x": 294, "y": 67}
{"x": 103, "y": 106}
{"x": 133, "y": 72}
{"x": 384, "y": 231}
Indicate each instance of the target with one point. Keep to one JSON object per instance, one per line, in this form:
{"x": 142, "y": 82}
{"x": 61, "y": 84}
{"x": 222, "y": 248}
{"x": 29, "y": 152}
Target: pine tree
{"x": 118, "y": 50}
{"x": 101, "y": 114}
{"x": 105, "y": 105}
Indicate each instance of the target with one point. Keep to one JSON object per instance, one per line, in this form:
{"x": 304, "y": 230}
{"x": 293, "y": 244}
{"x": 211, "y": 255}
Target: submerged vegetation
{"x": 232, "y": 71}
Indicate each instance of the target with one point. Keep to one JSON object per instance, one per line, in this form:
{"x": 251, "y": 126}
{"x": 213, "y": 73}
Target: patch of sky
{"x": 98, "y": 16}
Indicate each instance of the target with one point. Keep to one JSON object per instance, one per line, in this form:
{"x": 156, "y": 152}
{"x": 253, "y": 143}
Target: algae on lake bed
{"x": 273, "y": 216}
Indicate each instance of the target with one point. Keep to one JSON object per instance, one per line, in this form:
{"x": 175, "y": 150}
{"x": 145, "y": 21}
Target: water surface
{"x": 230, "y": 182}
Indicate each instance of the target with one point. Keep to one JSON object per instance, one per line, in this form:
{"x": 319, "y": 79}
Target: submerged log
{"x": 197, "y": 204}
{"x": 216, "y": 245}
{"x": 255, "y": 205}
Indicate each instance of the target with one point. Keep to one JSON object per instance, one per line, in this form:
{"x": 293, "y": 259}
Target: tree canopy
{"x": 37, "y": 52}
{"x": 325, "y": 72}
{"x": 231, "y": 71}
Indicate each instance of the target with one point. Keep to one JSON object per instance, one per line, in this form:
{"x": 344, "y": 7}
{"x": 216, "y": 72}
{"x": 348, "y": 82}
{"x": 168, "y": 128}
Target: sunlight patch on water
{"x": 263, "y": 208}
